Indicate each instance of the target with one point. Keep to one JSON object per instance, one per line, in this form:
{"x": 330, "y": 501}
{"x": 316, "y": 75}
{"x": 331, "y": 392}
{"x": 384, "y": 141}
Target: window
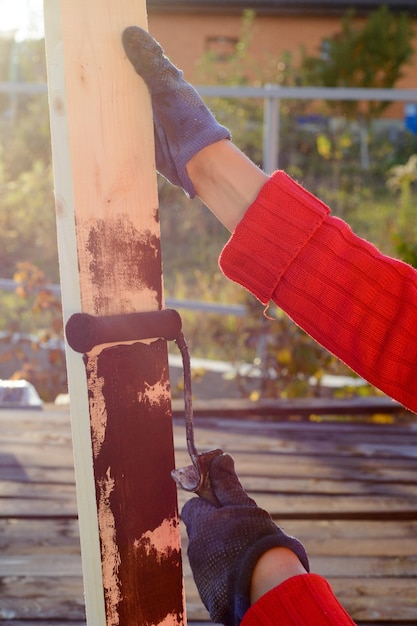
{"x": 220, "y": 47}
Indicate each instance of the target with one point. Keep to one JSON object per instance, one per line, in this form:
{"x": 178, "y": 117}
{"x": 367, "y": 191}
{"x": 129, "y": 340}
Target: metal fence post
{"x": 271, "y": 130}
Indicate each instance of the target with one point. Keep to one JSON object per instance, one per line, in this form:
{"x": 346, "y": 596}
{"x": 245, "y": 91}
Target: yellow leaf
{"x": 324, "y": 146}
{"x": 284, "y": 356}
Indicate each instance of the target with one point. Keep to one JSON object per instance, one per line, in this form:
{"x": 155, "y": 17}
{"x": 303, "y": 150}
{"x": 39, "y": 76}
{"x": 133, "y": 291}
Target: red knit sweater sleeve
{"x": 305, "y": 600}
{"x": 358, "y": 303}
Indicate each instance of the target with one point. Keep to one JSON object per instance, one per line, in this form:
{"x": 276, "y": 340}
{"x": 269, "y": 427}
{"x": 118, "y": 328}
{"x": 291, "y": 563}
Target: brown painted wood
{"x": 102, "y": 124}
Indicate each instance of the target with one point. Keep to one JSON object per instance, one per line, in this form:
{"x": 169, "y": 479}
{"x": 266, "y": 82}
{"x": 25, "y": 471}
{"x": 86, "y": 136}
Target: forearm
{"x": 358, "y": 303}
{"x": 272, "y": 569}
{"x": 226, "y": 180}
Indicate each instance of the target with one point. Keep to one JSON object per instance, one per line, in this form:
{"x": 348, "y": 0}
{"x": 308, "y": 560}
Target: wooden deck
{"x": 348, "y": 490}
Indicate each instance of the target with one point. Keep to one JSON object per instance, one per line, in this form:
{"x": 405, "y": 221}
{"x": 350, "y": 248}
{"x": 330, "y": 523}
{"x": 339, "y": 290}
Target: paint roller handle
{"x": 84, "y": 331}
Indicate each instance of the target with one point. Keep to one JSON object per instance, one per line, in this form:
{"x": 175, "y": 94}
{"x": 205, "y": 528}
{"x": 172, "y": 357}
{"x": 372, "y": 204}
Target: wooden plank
{"x": 259, "y": 484}
{"x": 280, "y": 507}
{"x": 38, "y": 456}
{"x": 113, "y": 198}
{"x": 39, "y": 536}
{"x": 26, "y": 459}
{"x": 42, "y": 599}
{"x": 356, "y": 537}
{"x": 392, "y": 600}
{"x": 322, "y": 537}
{"x": 336, "y": 468}
{"x": 38, "y": 509}
{"x": 385, "y": 599}
{"x": 396, "y": 597}
{"x": 35, "y": 622}
{"x": 15, "y": 472}
{"x": 300, "y": 506}
{"x": 67, "y": 565}
{"x": 304, "y": 431}
{"x": 36, "y": 491}
{"x": 239, "y": 407}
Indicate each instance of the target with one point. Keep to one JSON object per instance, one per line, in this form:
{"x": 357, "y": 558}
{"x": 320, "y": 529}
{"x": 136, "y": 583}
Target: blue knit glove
{"x": 183, "y": 124}
{"x": 225, "y": 543}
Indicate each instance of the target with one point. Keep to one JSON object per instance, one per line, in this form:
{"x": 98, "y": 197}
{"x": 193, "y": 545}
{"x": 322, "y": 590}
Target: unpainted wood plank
{"x": 373, "y": 599}
{"x": 322, "y": 538}
{"x": 22, "y": 422}
{"x": 329, "y": 466}
{"x": 279, "y": 505}
{"x": 328, "y": 566}
{"x": 35, "y": 435}
{"x": 27, "y": 488}
{"x": 15, "y": 472}
{"x": 328, "y": 486}
{"x": 42, "y": 599}
{"x": 10, "y": 508}
{"x": 309, "y": 430}
{"x": 363, "y": 538}
{"x": 40, "y": 455}
{"x": 240, "y": 407}
{"x": 39, "y": 536}
{"x": 106, "y": 184}
{"x": 284, "y": 506}
{"x": 293, "y": 445}
{"x": 41, "y": 565}
{"x": 281, "y": 467}
{"x": 32, "y": 490}
{"x": 394, "y": 567}
{"x": 35, "y": 622}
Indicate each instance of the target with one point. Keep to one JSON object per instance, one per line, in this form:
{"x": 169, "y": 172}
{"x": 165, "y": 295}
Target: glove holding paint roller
{"x": 183, "y": 125}
{"x": 226, "y": 542}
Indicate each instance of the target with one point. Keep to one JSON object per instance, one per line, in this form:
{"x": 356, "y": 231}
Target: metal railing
{"x": 272, "y": 96}
{"x": 238, "y": 310}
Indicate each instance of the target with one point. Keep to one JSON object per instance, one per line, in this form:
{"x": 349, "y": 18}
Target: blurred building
{"x": 189, "y": 28}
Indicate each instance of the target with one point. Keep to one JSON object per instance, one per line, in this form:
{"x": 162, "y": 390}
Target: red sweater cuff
{"x": 271, "y": 234}
{"x": 305, "y": 600}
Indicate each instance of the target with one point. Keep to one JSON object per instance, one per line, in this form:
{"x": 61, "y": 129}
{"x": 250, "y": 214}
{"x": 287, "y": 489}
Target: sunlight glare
{"x": 23, "y": 18}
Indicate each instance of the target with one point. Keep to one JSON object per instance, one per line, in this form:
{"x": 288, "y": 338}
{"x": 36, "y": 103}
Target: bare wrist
{"x": 274, "y": 566}
{"x": 226, "y": 180}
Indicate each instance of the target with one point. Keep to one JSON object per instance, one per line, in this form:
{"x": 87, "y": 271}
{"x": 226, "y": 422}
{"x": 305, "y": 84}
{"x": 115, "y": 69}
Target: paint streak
{"x": 161, "y": 541}
{"x": 155, "y": 394}
{"x": 98, "y": 413}
{"x": 109, "y": 548}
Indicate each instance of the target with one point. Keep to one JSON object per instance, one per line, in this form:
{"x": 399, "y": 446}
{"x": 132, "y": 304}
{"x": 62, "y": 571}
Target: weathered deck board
{"x": 347, "y": 490}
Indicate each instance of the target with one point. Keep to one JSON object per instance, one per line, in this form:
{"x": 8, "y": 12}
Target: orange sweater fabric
{"x": 358, "y": 303}
{"x": 305, "y": 600}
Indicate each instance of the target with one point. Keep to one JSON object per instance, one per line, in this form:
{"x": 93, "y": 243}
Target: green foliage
{"x": 27, "y": 220}
{"x": 402, "y": 179}
{"x": 27, "y": 216}
{"x": 34, "y": 356}
{"x": 372, "y": 55}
